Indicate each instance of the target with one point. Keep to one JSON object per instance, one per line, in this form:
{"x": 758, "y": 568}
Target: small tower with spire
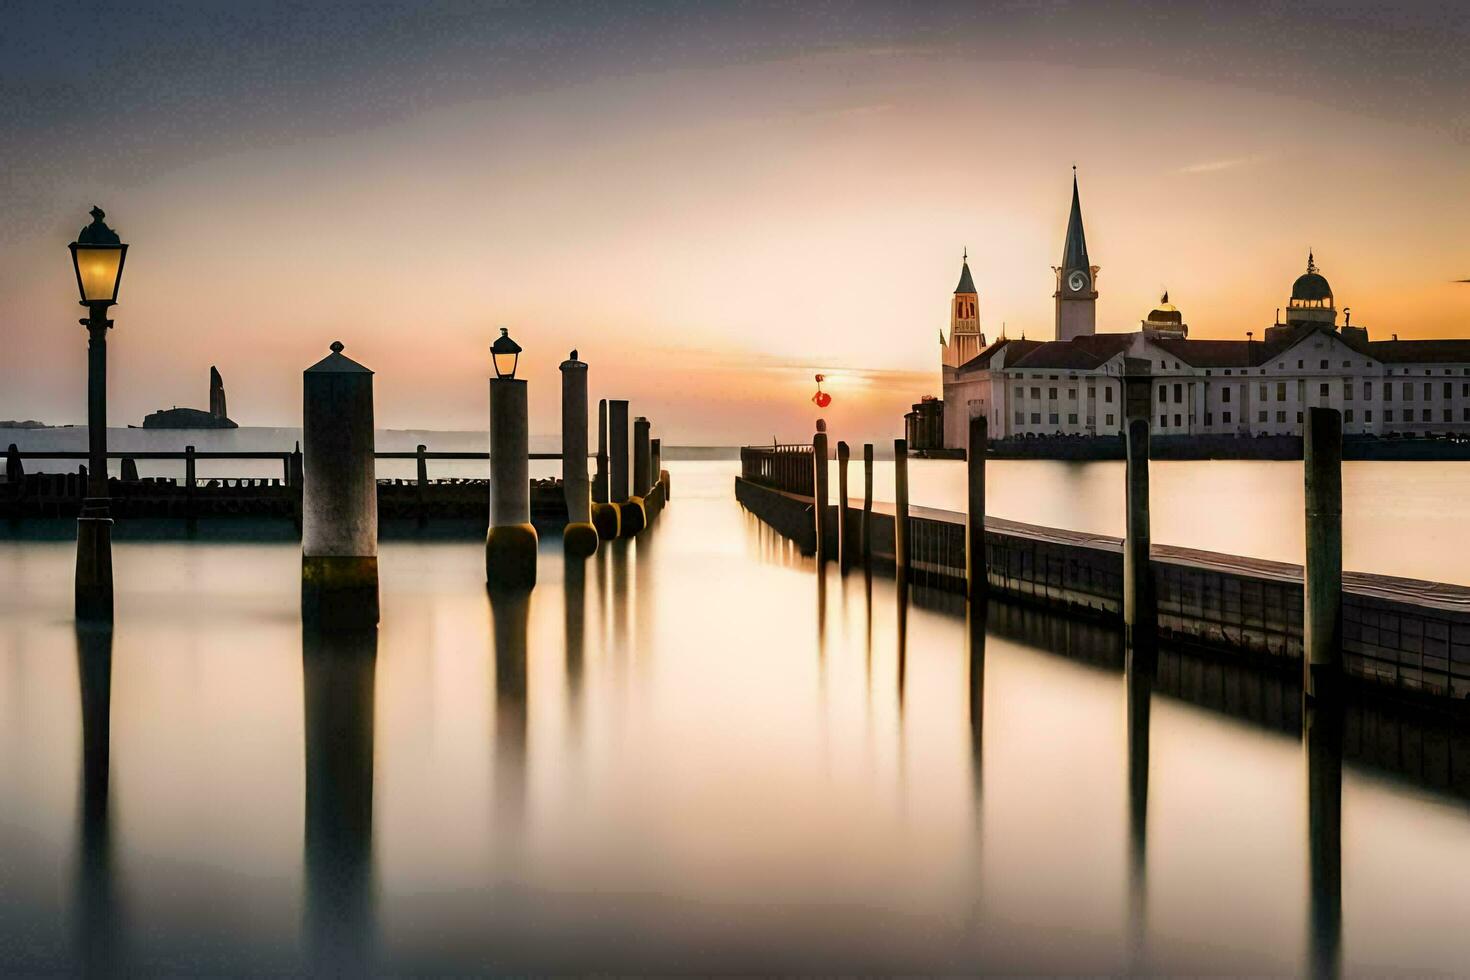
{"x": 1076, "y": 293}
{"x": 965, "y": 339}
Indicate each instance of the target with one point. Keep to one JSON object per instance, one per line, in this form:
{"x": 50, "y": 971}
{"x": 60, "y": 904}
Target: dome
{"x": 1311, "y": 286}
{"x": 1166, "y": 312}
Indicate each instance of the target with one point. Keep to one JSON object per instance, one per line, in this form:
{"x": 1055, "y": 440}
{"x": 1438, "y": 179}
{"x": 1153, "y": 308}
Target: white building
{"x": 1073, "y": 385}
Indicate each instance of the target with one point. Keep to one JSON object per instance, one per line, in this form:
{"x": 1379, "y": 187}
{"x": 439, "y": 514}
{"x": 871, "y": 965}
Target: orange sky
{"x": 710, "y": 236}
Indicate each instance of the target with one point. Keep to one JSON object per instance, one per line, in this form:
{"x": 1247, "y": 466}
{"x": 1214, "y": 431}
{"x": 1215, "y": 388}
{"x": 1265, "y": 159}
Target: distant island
{"x": 27, "y": 424}
{"x": 193, "y": 418}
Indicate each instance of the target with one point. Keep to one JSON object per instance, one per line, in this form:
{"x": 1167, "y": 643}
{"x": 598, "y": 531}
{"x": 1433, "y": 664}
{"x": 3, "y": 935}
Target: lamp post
{"x": 510, "y": 544}
{"x": 97, "y": 259}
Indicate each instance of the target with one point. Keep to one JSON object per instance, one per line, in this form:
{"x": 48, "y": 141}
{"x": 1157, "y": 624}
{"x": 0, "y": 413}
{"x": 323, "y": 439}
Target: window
{"x": 1347, "y": 363}
{"x": 1263, "y": 396}
{"x": 1225, "y": 395}
{"x": 1209, "y": 419}
{"x": 1035, "y": 392}
{"x": 1035, "y": 418}
{"x": 1388, "y": 415}
{"x": 1449, "y": 390}
{"x": 1448, "y": 415}
{"x": 1367, "y": 391}
{"x": 1281, "y": 391}
{"x": 1163, "y": 394}
{"x": 1368, "y": 416}
{"x": 1091, "y": 394}
{"x": 1428, "y": 391}
{"x": 1110, "y": 419}
{"x": 1108, "y": 395}
{"x": 1227, "y": 372}
{"x": 1298, "y": 418}
{"x": 1052, "y": 418}
{"x": 1408, "y": 392}
{"x": 1261, "y": 417}
{"x": 1091, "y": 421}
{"x": 1051, "y": 393}
{"x": 1020, "y": 418}
{"x": 1178, "y": 394}
{"x": 1225, "y": 416}
{"x": 1163, "y": 421}
{"x": 1347, "y": 391}
{"x": 1322, "y": 390}
{"x": 1424, "y": 415}
{"x": 1301, "y": 391}
{"x": 1072, "y": 394}
{"x": 1465, "y": 415}
{"x": 1388, "y": 391}
{"x": 1300, "y": 365}
{"x": 1324, "y": 365}
{"x": 1465, "y": 391}
{"x": 1072, "y": 418}
{"x": 1280, "y": 416}
{"x": 1177, "y": 423}
{"x": 1020, "y": 392}
{"x": 1347, "y": 415}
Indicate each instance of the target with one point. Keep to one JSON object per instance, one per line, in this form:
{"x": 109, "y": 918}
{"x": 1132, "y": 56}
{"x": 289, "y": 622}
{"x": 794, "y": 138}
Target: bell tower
{"x": 1076, "y": 293}
{"x": 965, "y": 338}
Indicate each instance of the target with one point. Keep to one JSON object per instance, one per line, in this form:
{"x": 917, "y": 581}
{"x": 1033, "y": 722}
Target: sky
{"x": 711, "y": 202}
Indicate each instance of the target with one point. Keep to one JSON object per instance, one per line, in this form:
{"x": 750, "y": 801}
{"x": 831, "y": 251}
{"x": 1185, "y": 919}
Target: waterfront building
{"x": 1073, "y": 385}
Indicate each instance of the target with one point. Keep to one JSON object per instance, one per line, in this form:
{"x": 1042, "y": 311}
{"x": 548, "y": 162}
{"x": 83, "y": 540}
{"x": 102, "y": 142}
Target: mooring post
{"x": 1322, "y": 629}
{"x": 339, "y": 534}
{"x": 977, "y": 576}
{"x": 580, "y": 537}
{"x": 630, "y": 514}
{"x": 819, "y": 490}
{"x": 422, "y": 488}
{"x": 1140, "y": 609}
{"x": 901, "y": 510}
{"x": 656, "y": 449}
{"x": 642, "y": 458}
{"x": 844, "y": 543}
{"x": 510, "y": 544}
{"x": 865, "y": 530}
{"x": 190, "y": 479}
{"x": 605, "y": 515}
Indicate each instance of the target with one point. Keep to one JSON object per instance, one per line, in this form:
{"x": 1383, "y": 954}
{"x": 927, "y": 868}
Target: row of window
{"x": 1053, "y": 418}
{"x": 1406, "y": 391}
{"x": 1425, "y": 415}
{"x": 1051, "y": 393}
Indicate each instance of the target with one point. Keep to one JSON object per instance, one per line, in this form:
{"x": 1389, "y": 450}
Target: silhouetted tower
{"x": 965, "y": 339}
{"x": 1076, "y": 293}
{"x": 217, "y": 394}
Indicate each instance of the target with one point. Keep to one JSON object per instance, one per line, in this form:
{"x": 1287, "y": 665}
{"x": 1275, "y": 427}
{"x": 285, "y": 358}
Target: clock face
{"x": 1077, "y": 281}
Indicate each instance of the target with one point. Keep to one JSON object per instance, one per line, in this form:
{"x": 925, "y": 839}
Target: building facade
{"x": 1073, "y": 385}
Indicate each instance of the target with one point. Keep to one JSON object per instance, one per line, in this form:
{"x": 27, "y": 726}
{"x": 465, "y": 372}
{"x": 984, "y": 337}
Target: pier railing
{"x": 779, "y": 466}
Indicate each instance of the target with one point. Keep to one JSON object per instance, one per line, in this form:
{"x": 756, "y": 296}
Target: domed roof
{"x": 1311, "y": 285}
{"x": 1166, "y": 312}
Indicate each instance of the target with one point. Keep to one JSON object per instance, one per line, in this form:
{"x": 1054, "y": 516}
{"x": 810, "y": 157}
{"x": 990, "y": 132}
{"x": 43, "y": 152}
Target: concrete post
{"x": 339, "y": 531}
{"x": 580, "y": 537}
{"x": 819, "y": 491}
{"x": 865, "y": 530}
{"x": 1322, "y": 629}
{"x": 631, "y": 515}
{"x": 844, "y": 543}
{"x": 510, "y": 544}
{"x": 642, "y": 457}
{"x": 901, "y": 510}
{"x": 1140, "y": 609}
{"x": 977, "y": 577}
{"x": 421, "y": 488}
{"x": 604, "y": 514}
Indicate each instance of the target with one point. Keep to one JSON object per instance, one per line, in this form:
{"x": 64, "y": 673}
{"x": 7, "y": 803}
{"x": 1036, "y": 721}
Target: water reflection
{"x": 510, "y": 610}
{"x": 1322, "y": 733}
{"x": 338, "y": 674}
{"x": 98, "y": 929}
{"x": 574, "y": 581}
{"x": 975, "y": 622}
{"x": 1142, "y": 666}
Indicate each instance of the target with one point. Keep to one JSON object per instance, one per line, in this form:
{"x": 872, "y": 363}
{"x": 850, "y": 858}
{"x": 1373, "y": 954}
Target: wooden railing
{"x": 780, "y": 467}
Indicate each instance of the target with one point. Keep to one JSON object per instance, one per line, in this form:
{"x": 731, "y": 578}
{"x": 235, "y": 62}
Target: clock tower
{"x": 965, "y": 339}
{"x": 1076, "y": 293}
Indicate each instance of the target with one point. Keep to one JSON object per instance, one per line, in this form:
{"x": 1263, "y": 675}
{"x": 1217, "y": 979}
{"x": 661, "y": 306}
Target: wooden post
{"x": 189, "y": 481}
{"x": 1140, "y": 609}
{"x": 844, "y": 544}
{"x": 977, "y": 578}
{"x": 423, "y": 483}
{"x": 865, "y": 530}
{"x": 819, "y": 492}
{"x": 1322, "y": 629}
{"x": 901, "y": 510}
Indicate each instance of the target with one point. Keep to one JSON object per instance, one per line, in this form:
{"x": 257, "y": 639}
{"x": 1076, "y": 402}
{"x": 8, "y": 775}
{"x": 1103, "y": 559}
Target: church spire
{"x": 1074, "y": 252}
{"x": 967, "y": 285}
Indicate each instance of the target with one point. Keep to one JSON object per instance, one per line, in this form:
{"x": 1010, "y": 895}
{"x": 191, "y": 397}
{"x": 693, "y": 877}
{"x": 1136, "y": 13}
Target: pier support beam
{"x": 819, "y": 491}
{"x": 865, "y": 527}
{"x": 604, "y": 514}
{"x": 901, "y": 511}
{"x": 844, "y": 543}
{"x": 580, "y": 537}
{"x": 977, "y": 578}
{"x": 631, "y": 518}
{"x": 339, "y": 529}
{"x": 1322, "y": 628}
{"x": 510, "y": 545}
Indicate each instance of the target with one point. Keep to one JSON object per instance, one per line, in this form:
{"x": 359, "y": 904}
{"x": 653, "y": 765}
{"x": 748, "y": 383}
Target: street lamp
{"x": 506, "y": 353}
{"x": 97, "y": 259}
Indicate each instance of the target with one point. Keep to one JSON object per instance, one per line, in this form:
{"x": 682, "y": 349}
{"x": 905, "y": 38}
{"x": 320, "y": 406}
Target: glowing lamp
{"x": 97, "y": 257}
{"x": 506, "y": 353}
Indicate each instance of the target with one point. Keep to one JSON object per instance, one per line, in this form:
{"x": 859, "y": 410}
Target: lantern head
{"x": 506, "y": 353}
{"x": 97, "y": 258}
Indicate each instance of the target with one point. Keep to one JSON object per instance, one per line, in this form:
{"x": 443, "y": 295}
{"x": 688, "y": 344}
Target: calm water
{"x": 694, "y": 755}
